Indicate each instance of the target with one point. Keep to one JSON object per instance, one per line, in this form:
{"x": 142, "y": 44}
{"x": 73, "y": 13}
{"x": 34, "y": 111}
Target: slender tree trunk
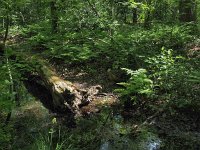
{"x": 6, "y": 32}
{"x": 124, "y": 14}
{"x": 113, "y": 12}
{"x": 8, "y": 118}
{"x": 187, "y": 11}
{"x": 11, "y": 89}
{"x": 147, "y": 18}
{"x": 8, "y": 66}
{"x": 22, "y": 18}
{"x": 54, "y": 16}
{"x": 17, "y": 95}
{"x": 134, "y": 17}
{"x": 3, "y": 22}
{"x": 6, "y": 25}
{"x": 3, "y": 44}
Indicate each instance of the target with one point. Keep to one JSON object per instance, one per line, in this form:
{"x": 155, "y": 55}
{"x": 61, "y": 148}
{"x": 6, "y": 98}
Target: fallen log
{"x": 61, "y": 96}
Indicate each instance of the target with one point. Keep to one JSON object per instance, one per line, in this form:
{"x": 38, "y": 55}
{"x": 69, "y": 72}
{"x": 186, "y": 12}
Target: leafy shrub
{"x": 138, "y": 84}
{"x": 170, "y": 74}
{"x": 5, "y": 107}
{"x": 5, "y": 136}
{"x": 151, "y": 41}
{"x": 162, "y": 66}
{"x": 5, "y": 96}
{"x": 127, "y": 43}
{"x": 195, "y": 77}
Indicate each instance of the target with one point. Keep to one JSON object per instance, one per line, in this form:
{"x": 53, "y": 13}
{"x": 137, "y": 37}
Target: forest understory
{"x": 99, "y": 75}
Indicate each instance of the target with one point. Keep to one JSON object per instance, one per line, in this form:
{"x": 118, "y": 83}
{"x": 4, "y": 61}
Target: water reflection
{"x": 154, "y": 145}
{"x": 118, "y": 138}
{"x": 105, "y": 146}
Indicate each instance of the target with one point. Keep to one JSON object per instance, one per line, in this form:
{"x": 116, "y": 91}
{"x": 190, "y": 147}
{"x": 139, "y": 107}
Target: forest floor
{"x": 29, "y": 120}
{"x": 181, "y": 129}
{"x": 177, "y": 129}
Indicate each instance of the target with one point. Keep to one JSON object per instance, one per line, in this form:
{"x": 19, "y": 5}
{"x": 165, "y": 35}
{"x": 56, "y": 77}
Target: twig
{"x": 148, "y": 119}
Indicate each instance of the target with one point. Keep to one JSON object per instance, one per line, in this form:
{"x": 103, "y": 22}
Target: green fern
{"x": 195, "y": 77}
{"x": 138, "y": 84}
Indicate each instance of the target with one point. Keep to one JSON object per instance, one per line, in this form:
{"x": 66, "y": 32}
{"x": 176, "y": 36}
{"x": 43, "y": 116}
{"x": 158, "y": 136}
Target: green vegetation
{"x": 144, "y": 53}
{"x": 138, "y": 84}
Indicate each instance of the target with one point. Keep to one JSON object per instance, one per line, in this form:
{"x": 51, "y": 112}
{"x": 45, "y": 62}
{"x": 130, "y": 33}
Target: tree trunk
{"x": 61, "y": 96}
{"x": 54, "y": 16}
{"x": 134, "y": 17}
{"x": 3, "y": 51}
{"x": 8, "y": 118}
{"x": 147, "y": 18}
{"x": 187, "y": 10}
{"x": 6, "y": 32}
{"x": 64, "y": 97}
{"x": 124, "y": 13}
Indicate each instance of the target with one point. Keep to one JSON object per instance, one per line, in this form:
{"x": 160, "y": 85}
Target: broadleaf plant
{"x": 138, "y": 84}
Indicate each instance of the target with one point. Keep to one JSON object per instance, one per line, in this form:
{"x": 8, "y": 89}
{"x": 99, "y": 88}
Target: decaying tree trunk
{"x": 63, "y": 96}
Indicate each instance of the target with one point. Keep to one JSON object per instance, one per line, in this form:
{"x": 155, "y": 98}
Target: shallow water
{"x": 121, "y": 139}
{"x": 105, "y": 146}
{"x": 154, "y": 145}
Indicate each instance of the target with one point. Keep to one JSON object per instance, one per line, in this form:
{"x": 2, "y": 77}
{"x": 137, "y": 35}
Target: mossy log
{"x": 62, "y": 96}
